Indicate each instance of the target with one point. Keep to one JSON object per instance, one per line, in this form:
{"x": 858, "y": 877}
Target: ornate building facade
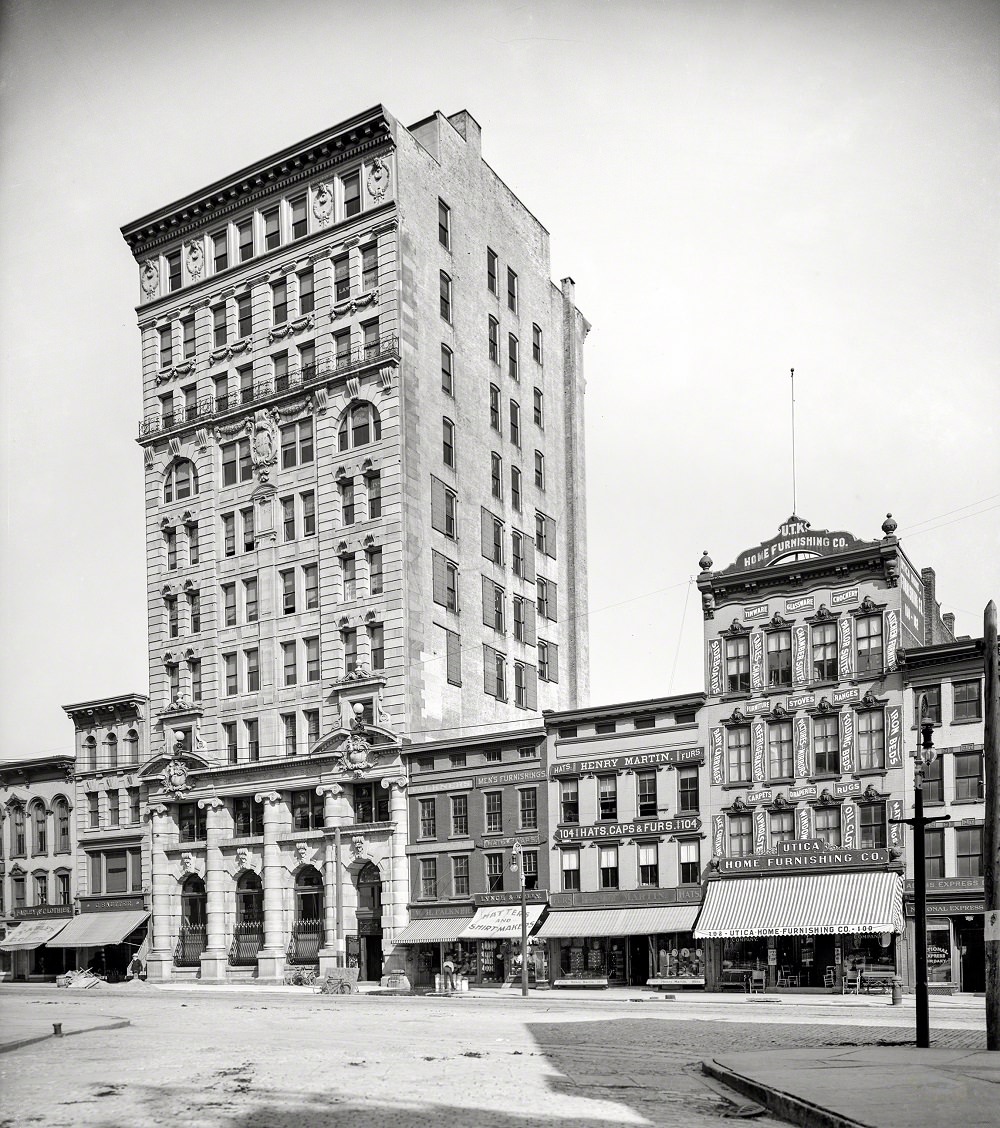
{"x": 363, "y": 447}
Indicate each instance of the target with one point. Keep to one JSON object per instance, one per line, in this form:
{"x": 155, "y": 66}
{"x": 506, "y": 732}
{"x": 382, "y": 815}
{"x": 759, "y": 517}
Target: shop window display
{"x": 677, "y": 956}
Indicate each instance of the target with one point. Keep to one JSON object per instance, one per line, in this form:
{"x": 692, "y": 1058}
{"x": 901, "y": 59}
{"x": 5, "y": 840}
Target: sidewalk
{"x": 877, "y": 1087}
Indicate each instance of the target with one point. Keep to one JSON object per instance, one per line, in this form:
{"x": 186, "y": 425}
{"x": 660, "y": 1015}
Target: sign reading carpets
{"x": 715, "y": 666}
{"x": 894, "y": 736}
{"x": 757, "y": 750}
{"x": 847, "y": 741}
{"x": 627, "y": 829}
{"x": 715, "y": 743}
{"x": 810, "y": 854}
{"x": 845, "y": 646}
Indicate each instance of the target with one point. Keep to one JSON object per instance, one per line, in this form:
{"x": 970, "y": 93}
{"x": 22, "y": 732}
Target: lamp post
{"x": 923, "y": 758}
{"x": 517, "y": 863}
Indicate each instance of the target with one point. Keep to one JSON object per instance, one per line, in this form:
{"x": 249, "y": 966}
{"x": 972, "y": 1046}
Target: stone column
{"x": 331, "y": 954}
{"x": 214, "y": 959}
{"x": 160, "y": 961}
{"x": 271, "y": 957}
{"x": 394, "y": 963}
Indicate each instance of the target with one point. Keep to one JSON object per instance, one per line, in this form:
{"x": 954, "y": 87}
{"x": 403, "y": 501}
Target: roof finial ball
{"x": 705, "y": 563}
{"x": 888, "y": 525}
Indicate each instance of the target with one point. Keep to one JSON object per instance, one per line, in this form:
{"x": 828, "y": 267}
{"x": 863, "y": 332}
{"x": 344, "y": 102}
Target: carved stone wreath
{"x": 149, "y": 278}
{"x": 323, "y": 203}
{"x": 378, "y": 179}
{"x": 194, "y": 253}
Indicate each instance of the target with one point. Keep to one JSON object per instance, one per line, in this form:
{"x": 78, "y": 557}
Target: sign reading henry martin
{"x": 629, "y": 760}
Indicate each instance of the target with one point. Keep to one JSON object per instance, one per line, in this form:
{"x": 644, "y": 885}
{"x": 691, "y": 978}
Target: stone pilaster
{"x": 271, "y": 957}
{"x": 160, "y": 961}
{"x": 214, "y": 959}
{"x": 331, "y": 954}
{"x": 393, "y": 963}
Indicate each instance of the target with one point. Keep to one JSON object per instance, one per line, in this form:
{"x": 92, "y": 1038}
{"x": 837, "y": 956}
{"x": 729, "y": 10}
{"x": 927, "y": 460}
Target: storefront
{"x": 624, "y": 946}
{"x": 430, "y": 939}
{"x": 802, "y": 930}
{"x": 956, "y": 949}
{"x": 28, "y": 941}
{"x": 109, "y": 936}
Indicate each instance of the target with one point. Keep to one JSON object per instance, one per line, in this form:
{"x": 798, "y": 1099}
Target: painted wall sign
{"x": 715, "y": 742}
{"x": 435, "y": 788}
{"x": 891, "y": 640}
{"x": 795, "y": 538}
{"x": 800, "y": 701}
{"x": 800, "y": 652}
{"x": 671, "y": 895}
{"x": 757, "y": 611}
{"x": 532, "y": 896}
{"x": 752, "y": 708}
{"x": 112, "y": 904}
{"x": 718, "y": 835}
{"x": 946, "y": 908}
{"x": 757, "y": 660}
{"x": 801, "y": 603}
{"x": 759, "y": 831}
{"x": 715, "y": 684}
{"x": 847, "y": 741}
{"x": 842, "y": 695}
{"x": 894, "y": 736}
{"x": 763, "y": 796}
{"x": 895, "y": 811}
{"x": 845, "y": 595}
{"x": 628, "y": 761}
{"x": 497, "y": 778}
{"x": 912, "y": 603}
{"x": 28, "y": 912}
{"x": 845, "y": 646}
{"x": 807, "y": 791}
{"x": 849, "y": 825}
{"x": 950, "y": 884}
{"x": 801, "y": 747}
{"x": 627, "y": 829}
{"x": 758, "y": 762}
{"x": 495, "y": 843}
{"x": 851, "y": 787}
{"x": 826, "y": 858}
{"x": 422, "y": 912}
{"x": 803, "y": 816}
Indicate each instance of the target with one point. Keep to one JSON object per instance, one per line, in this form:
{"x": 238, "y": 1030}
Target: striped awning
{"x": 432, "y": 930}
{"x": 94, "y": 930}
{"x": 802, "y": 905}
{"x": 32, "y": 933}
{"x": 619, "y": 922}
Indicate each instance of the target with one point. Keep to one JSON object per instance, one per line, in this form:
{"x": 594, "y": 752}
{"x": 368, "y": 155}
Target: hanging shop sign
{"x": 891, "y": 640}
{"x": 757, "y": 611}
{"x": 894, "y": 736}
{"x": 806, "y": 791}
{"x": 757, "y": 660}
{"x": 715, "y": 743}
{"x": 800, "y": 701}
{"x": 715, "y": 666}
{"x": 752, "y": 708}
{"x": 845, "y": 595}
{"x": 627, "y": 829}
{"x": 845, "y": 647}
{"x": 764, "y": 795}
{"x": 842, "y": 695}
{"x": 807, "y": 855}
{"x": 800, "y": 651}
{"x": 626, "y": 762}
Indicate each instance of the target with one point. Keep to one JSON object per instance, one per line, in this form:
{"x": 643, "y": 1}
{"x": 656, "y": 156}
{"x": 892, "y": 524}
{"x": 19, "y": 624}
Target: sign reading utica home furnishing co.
{"x": 801, "y": 855}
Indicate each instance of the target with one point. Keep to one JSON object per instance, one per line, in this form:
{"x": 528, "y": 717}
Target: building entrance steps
{"x": 869, "y": 1086}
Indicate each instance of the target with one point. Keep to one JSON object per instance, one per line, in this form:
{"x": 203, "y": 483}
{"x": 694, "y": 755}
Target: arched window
{"x": 111, "y": 743}
{"x": 192, "y": 938}
{"x": 131, "y": 747}
{"x": 18, "y": 841}
{"x": 39, "y": 829}
{"x": 90, "y": 754}
{"x": 248, "y": 934}
{"x": 249, "y": 898}
{"x": 360, "y": 425}
{"x": 180, "y": 480}
{"x": 307, "y": 931}
{"x": 60, "y": 811}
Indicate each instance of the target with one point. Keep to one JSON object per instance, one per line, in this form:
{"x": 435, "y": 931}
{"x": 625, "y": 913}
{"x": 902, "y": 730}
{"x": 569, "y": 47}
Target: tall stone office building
{"x": 363, "y": 446}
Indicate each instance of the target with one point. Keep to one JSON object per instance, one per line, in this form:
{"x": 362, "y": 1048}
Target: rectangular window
{"x": 252, "y": 658}
{"x": 191, "y": 822}
{"x": 689, "y": 859}
{"x": 687, "y": 789}
{"x": 649, "y": 866}
{"x": 779, "y": 658}
{"x": 444, "y": 293}
{"x": 428, "y": 877}
{"x": 312, "y": 659}
{"x": 969, "y": 851}
{"x": 307, "y": 810}
{"x": 229, "y": 666}
{"x": 740, "y": 836}
{"x": 445, "y": 581}
{"x": 494, "y": 873}
{"x": 342, "y": 279}
{"x": 569, "y": 801}
{"x": 245, "y": 374}
{"x": 871, "y": 739}
{"x": 869, "y": 644}
{"x": 194, "y": 611}
{"x": 173, "y": 271}
{"x": 193, "y": 543}
{"x": 299, "y": 217}
{"x": 933, "y": 853}
{"x": 512, "y": 361}
{"x": 279, "y": 302}
{"x": 369, "y": 268}
{"x": 308, "y": 504}
{"x": 166, "y": 346}
{"x": 646, "y": 802}
{"x": 312, "y": 726}
{"x": 288, "y": 518}
{"x": 492, "y": 272}
{"x": 220, "y": 250}
{"x": 494, "y": 340}
{"x": 373, "y": 484}
{"x": 511, "y": 290}
{"x": 219, "y": 326}
{"x": 288, "y": 724}
{"x": 229, "y": 605}
{"x": 447, "y": 371}
{"x": 244, "y": 315}
{"x": 494, "y": 811}
{"x": 374, "y": 571}
{"x": 607, "y": 793}
{"x": 459, "y": 815}
{"x": 272, "y": 229}
{"x": 968, "y": 705}
{"x": 515, "y": 489}
{"x": 536, "y": 345}
{"x": 934, "y": 781}
{"x": 871, "y": 821}
{"x": 824, "y": 652}
{"x": 187, "y": 337}
{"x": 453, "y": 650}
{"x": 248, "y": 817}
{"x": 539, "y": 408}
{"x": 173, "y": 623}
{"x": 349, "y": 638}
{"x": 307, "y": 292}
{"x": 496, "y": 475}
{"x": 826, "y": 745}
{"x": 608, "y": 863}
{"x": 539, "y": 470}
{"x": 349, "y": 572}
{"x": 782, "y": 827}
{"x": 347, "y": 511}
{"x": 495, "y": 408}
{"x": 571, "y": 871}
{"x": 289, "y": 662}
{"x": 352, "y": 194}
{"x": 287, "y": 591}
{"x": 448, "y": 443}
{"x": 528, "y": 809}
{"x": 428, "y": 818}
{"x": 460, "y": 876}
{"x": 779, "y": 749}
{"x": 828, "y": 825}
{"x": 310, "y": 586}
{"x": 444, "y": 225}
{"x": 932, "y": 693}
{"x": 529, "y": 867}
{"x": 969, "y": 775}
{"x": 515, "y": 423}
{"x": 376, "y": 645}
{"x": 738, "y": 748}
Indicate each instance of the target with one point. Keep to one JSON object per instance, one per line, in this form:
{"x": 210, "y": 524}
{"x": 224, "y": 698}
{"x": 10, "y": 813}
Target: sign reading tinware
{"x": 623, "y": 829}
{"x": 803, "y": 856}
{"x": 630, "y": 760}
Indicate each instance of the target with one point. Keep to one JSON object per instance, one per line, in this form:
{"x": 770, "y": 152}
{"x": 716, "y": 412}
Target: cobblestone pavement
{"x": 298, "y": 1061}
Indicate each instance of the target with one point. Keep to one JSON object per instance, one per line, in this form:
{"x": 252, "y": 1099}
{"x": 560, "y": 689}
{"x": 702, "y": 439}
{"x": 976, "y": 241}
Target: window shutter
{"x": 529, "y": 560}
{"x": 530, "y": 620}
{"x": 553, "y": 604}
{"x": 490, "y": 670}
{"x": 437, "y": 504}
{"x": 487, "y": 531}
{"x": 553, "y": 662}
{"x": 440, "y": 579}
{"x": 550, "y": 537}
{"x": 531, "y": 686}
{"x": 488, "y": 602}
{"x": 454, "y": 646}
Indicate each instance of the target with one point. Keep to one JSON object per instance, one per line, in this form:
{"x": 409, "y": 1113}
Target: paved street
{"x": 278, "y": 1060}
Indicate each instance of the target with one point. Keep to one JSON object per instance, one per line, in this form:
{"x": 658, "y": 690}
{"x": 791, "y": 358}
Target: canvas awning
{"x": 94, "y": 930}
{"x": 32, "y": 933}
{"x": 499, "y": 922}
{"x": 432, "y": 930}
{"x": 802, "y": 905}
{"x": 619, "y": 922}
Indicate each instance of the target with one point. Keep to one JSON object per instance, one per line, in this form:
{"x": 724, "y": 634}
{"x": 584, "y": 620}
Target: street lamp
{"x": 923, "y": 758}
{"x": 517, "y": 864}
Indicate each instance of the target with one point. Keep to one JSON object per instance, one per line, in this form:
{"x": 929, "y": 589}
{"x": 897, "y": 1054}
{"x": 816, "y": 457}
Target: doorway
{"x": 638, "y": 960}
{"x": 370, "y": 921}
{"x": 969, "y": 936}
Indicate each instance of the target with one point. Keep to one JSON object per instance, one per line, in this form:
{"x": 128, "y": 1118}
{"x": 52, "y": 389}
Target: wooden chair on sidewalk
{"x": 851, "y": 982}
{"x": 757, "y": 983}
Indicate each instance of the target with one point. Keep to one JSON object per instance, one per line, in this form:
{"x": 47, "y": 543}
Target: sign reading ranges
{"x": 623, "y": 829}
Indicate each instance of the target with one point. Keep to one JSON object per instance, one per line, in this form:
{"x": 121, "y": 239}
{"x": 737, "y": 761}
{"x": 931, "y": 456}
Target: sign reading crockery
{"x": 629, "y": 760}
{"x": 623, "y": 829}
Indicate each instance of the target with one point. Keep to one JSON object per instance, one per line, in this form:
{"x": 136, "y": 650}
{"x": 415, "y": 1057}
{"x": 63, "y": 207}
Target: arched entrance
{"x": 191, "y": 939}
{"x": 307, "y": 929}
{"x": 248, "y": 934}
{"x": 369, "y": 882}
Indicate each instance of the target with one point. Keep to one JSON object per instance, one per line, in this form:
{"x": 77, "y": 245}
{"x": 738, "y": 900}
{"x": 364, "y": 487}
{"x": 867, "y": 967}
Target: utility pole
{"x": 517, "y": 862}
{"x": 991, "y": 834}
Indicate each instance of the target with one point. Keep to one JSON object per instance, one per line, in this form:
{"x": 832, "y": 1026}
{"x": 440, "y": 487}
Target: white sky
{"x": 737, "y": 189}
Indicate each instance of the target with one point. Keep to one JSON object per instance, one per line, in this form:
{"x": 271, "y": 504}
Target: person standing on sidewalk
{"x": 448, "y": 967}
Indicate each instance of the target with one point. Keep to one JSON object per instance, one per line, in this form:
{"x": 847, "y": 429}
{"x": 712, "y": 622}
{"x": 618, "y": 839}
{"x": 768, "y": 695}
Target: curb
{"x": 793, "y": 1109}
